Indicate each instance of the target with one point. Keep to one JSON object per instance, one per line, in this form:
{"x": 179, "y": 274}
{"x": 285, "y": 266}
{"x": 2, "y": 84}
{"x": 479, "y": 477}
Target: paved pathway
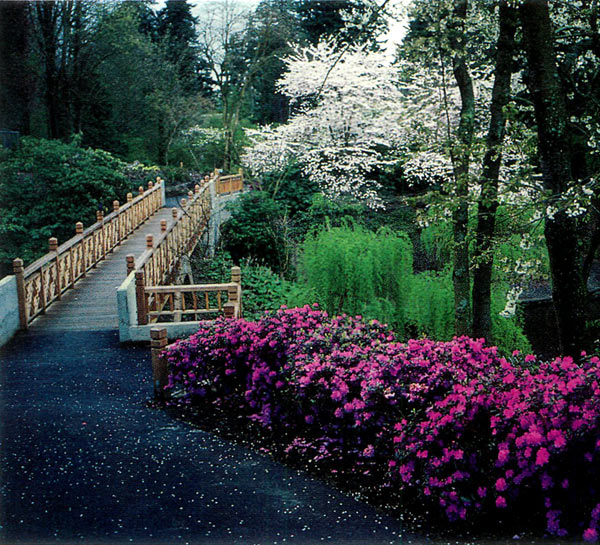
{"x": 83, "y": 460}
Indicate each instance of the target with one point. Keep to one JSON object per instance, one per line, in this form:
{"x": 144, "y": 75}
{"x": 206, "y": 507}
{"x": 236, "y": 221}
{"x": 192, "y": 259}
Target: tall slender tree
{"x": 488, "y": 201}
{"x": 565, "y": 233}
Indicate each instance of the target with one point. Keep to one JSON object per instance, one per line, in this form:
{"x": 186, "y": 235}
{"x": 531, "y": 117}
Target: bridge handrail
{"x": 229, "y": 183}
{"x": 170, "y": 301}
{"x": 159, "y": 261}
{"x": 46, "y": 279}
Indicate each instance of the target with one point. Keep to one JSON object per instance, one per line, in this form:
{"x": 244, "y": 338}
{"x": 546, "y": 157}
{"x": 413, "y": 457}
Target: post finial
{"x": 53, "y": 244}
{"x": 129, "y": 197}
{"x": 163, "y": 225}
{"x": 149, "y": 241}
{"x": 79, "y": 228}
{"x": 116, "y": 206}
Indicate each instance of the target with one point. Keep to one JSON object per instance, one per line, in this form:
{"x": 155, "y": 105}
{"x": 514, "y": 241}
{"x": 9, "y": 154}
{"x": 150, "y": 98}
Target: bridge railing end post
{"x": 158, "y": 342}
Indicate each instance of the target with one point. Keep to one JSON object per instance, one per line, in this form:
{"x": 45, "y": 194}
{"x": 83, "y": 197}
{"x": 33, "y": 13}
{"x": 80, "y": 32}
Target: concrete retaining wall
{"x": 9, "y": 308}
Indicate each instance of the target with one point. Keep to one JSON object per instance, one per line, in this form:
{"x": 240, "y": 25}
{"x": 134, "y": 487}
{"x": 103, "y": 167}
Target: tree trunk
{"x": 564, "y": 234}
{"x": 16, "y": 87}
{"x": 488, "y": 200}
{"x": 461, "y": 154}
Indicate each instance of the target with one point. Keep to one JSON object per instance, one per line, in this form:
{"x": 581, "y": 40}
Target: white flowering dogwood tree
{"x": 346, "y": 125}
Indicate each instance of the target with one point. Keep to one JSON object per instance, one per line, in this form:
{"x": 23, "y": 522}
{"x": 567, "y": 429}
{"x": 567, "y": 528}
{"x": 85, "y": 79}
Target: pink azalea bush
{"x": 450, "y": 425}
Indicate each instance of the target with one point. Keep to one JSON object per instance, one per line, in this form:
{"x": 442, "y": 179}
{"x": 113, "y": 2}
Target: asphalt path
{"x": 84, "y": 459}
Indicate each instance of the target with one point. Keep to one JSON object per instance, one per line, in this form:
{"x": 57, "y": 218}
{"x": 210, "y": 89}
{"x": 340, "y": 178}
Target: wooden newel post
{"x": 20, "y": 277}
{"x": 130, "y": 259}
{"x": 196, "y": 188}
{"x": 115, "y": 206}
{"x": 163, "y": 225}
{"x": 129, "y": 197}
{"x": 234, "y": 294}
{"x": 158, "y": 342}
{"x": 78, "y": 232}
{"x": 174, "y": 213}
{"x": 99, "y": 216}
{"x": 149, "y": 242}
{"x": 53, "y": 248}
{"x": 141, "y": 190}
{"x": 140, "y": 298}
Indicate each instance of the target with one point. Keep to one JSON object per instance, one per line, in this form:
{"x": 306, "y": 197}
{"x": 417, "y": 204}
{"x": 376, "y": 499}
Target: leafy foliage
{"x": 47, "y": 186}
{"x": 252, "y": 230}
{"x": 358, "y": 271}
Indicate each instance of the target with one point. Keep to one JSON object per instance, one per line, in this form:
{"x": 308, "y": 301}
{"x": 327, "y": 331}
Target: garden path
{"x": 85, "y": 460}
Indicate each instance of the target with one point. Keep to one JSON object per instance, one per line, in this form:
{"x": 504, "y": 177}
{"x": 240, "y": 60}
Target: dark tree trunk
{"x": 48, "y": 17}
{"x": 488, "y": 201}
{"x": 16, "y": 87}
{"x": 564, "y": 234}
{"x": 461, "y": 154}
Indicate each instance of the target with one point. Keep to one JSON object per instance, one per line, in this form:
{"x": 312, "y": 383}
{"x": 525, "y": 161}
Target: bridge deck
{"x": 84, "y": 460}
{"x": 92, "y": 303}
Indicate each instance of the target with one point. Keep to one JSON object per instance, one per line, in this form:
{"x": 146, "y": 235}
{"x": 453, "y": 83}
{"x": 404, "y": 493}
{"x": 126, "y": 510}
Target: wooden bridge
{"x": 121, "y": 271}
{"x": 84, "y": 459}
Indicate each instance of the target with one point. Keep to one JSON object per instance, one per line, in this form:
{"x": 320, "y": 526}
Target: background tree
{"x": 16, "y": 81}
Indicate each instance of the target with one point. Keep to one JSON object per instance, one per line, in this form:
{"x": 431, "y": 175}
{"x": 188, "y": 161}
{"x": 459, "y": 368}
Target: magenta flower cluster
{"x": 452, "y": 425}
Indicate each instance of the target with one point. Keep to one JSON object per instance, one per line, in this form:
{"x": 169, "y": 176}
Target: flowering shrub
{"x": 450, "y": 425}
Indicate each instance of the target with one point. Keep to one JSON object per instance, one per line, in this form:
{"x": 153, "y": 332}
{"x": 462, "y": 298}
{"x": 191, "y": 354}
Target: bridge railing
{"x": 149, "y": 294}
{"x": 230, "y": 183}
{"x": 45, "y": 280}
{"x": 194, "y": 301}
{"x": 156, "y": 265}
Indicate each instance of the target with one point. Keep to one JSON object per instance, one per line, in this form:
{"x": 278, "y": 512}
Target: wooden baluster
{"x": 140, "y": 212}
{"x": 117, "y": 219}
{"x": 152, "y": 271}
{"x": 100, "y": 219}
{"x": 53, "y": 248}
{"x": 130, "y": 260}
{"x": 236, "y": 277}
{"x": 79, "y": 231}
{"x": 129, "y": 219}
{"x": 158, "y": 342}
{"x": 150, "y": 200}
{"x": 140, "y": 297}
{"x": 42, "y": 292}
{"x": 18, "y": 271}
{"x": 182, "y": 229}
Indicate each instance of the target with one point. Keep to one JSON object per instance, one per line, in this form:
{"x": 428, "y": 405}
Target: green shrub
{"x": 46, "y": 186}
{"x": 254, "y": 230}
{"x": 430, "y": 311}
{"x": 357, "y": 271}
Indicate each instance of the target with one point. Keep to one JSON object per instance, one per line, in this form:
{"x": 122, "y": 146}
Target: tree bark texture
{"x": 564, "y": 234}
{"x": 488, "y": 200}
{"x": 461, "y": 154}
